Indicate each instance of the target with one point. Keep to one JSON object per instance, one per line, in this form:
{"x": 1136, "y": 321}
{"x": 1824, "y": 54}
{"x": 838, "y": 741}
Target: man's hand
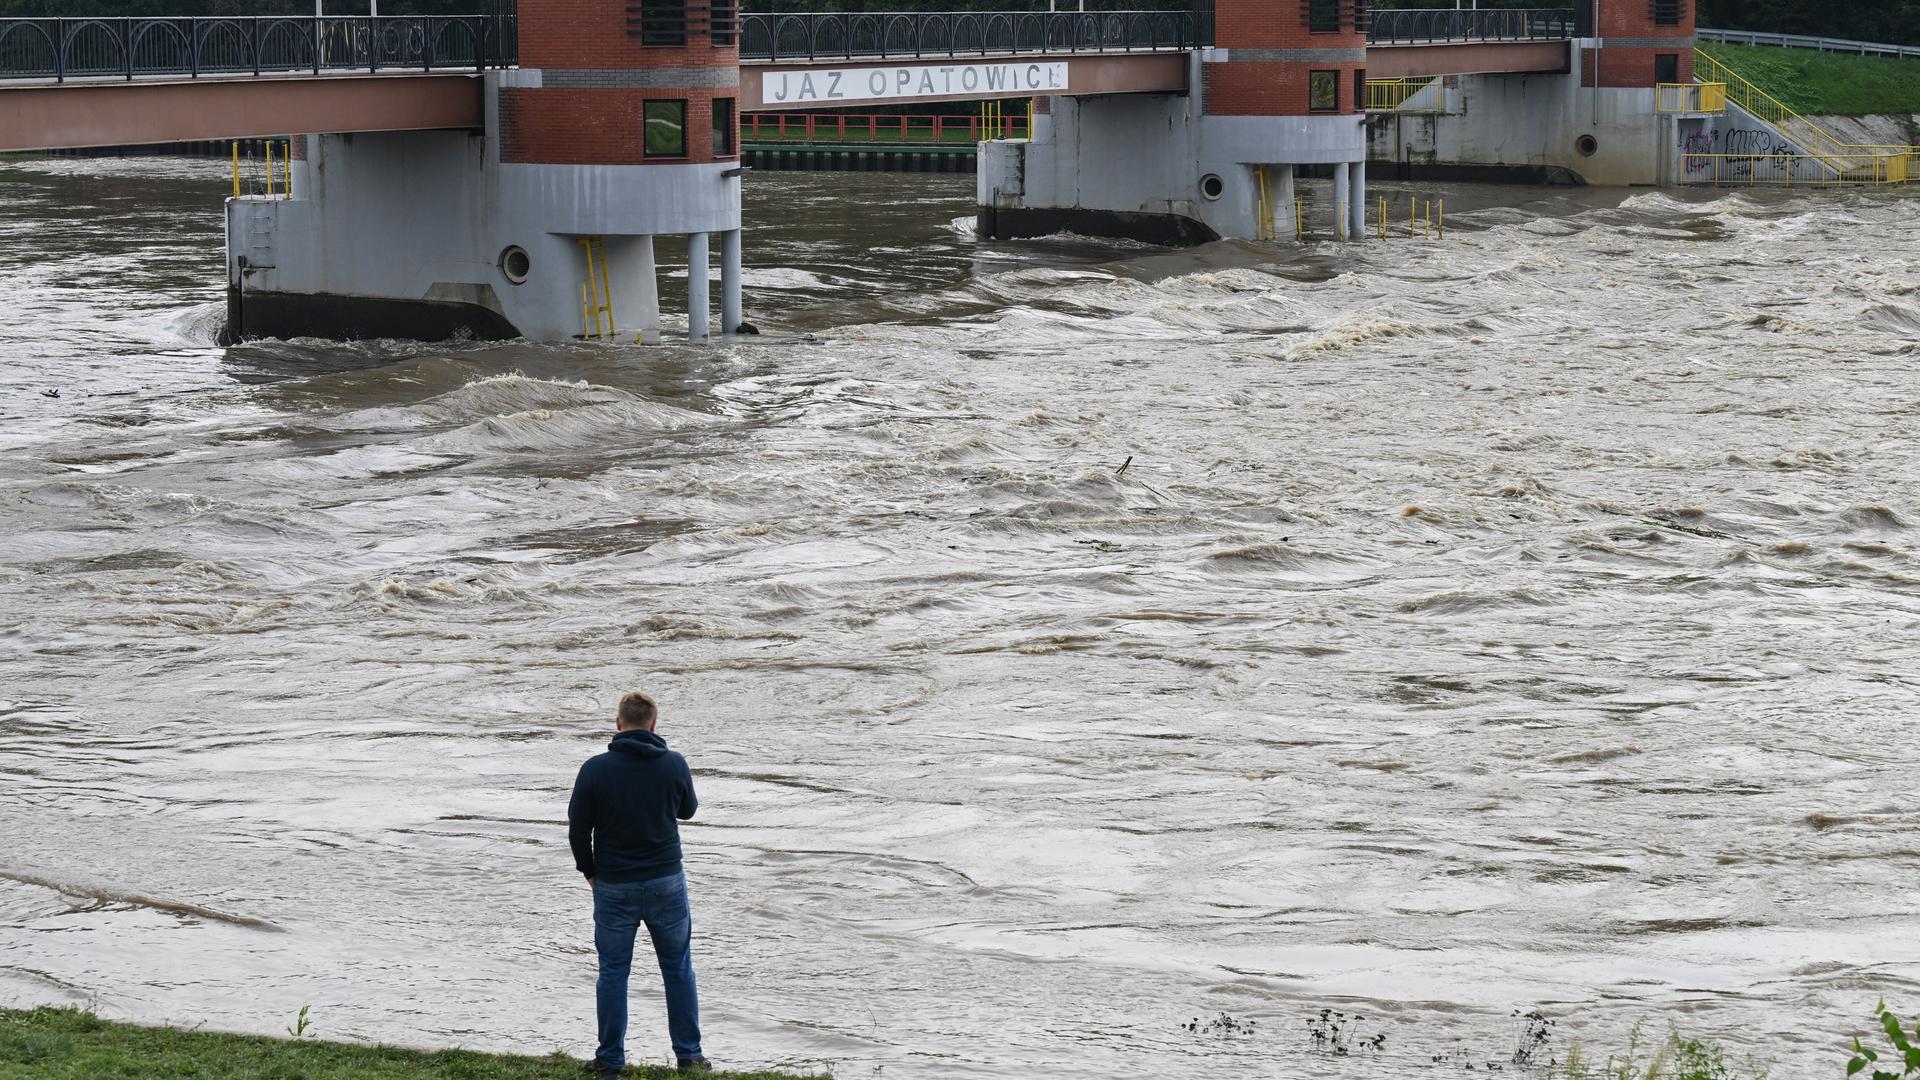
{"x": 589, "y": 883}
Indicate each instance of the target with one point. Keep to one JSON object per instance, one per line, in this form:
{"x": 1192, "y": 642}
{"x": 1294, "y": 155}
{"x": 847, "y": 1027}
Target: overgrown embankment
{"x": 67, "y": 1044}
{"x": 1826, "y": 84}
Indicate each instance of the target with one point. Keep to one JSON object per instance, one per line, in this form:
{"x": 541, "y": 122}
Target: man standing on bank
{"x": 623, "y": 822}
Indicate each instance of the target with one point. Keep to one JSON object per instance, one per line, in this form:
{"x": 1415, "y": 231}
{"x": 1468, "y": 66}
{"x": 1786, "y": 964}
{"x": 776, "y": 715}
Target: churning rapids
{"x": 1525, "y": 619}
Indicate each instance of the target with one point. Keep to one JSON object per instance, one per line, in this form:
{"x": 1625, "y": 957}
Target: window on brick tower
{"x": 1666, "y": 67}
{"x": 1322, "y": 16}
{"x": 1323, "y": 90}
{"x": 1668, "y": 12}
{"x": 662, "y": 22}
{"x": 723, "y": 127}
{"x": 723, "y": 22}
{"x": 666, "y": 128}
{"x": 1360, "y": 88}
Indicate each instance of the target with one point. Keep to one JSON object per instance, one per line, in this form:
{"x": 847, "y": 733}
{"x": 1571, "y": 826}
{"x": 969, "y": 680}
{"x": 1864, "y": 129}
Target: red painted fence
{"x": 858, "y": 128}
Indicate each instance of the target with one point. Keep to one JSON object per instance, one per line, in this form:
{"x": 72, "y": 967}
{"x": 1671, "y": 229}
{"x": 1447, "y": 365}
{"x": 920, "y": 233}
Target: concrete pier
{"x": 1275, "y": 91}
{"x": 540, "y": 223}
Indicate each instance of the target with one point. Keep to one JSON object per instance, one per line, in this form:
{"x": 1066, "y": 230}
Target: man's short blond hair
{"x": 637, "y": 710}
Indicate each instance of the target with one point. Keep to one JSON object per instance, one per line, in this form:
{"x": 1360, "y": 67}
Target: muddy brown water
{"x": 1071, "y": 638}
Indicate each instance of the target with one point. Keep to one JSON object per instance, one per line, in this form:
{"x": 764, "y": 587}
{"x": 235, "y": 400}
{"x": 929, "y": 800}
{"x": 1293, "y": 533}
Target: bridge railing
{"x": 886, "y": 35}
{"x": 1425, "y": 26}
{"x": 61, "y": 49}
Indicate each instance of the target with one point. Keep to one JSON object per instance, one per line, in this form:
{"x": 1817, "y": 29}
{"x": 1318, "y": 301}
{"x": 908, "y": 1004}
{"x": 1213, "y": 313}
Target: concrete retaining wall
{"x": 1148, "y": 165}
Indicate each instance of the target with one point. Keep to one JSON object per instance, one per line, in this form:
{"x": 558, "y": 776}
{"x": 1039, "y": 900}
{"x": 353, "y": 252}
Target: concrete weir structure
{"x": 1281, "y": 88}
{"x": 1597, "y": 119}
{"x": 616, "y": 128}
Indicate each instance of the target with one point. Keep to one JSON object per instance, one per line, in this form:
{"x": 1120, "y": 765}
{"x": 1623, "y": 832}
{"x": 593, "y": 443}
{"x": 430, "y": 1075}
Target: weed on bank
{"x": 71, "y": 1044}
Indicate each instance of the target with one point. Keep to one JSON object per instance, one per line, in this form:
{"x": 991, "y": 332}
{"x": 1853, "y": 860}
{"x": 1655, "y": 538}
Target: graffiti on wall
{"x": 1697, "y": 150}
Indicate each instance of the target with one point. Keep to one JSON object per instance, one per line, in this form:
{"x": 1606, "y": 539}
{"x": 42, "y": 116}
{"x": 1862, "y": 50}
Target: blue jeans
{"x": 618, "y": 911}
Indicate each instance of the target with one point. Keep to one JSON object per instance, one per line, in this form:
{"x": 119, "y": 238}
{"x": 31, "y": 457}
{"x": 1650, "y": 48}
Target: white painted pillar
{"x": 1342, "y": 184}
{"x": 649, "y": 278}
{"x": 1357, "y": 201}
{"x": 697, "y": 270}
{"x": 730, "y": 281}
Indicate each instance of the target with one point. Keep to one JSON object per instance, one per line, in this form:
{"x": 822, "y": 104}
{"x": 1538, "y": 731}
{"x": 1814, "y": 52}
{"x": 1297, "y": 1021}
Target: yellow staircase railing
{"x": 596, "y": 293}
{"x": 1793, "y": 170}
{"x": 1264, "y": 227}
{"x": 1742, "y": 92}
{"x": 1695, "y": 97}
{"x": 1392, "y": 95}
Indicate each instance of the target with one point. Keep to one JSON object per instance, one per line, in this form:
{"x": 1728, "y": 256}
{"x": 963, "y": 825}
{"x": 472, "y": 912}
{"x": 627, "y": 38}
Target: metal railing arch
{"x": 1424, "y": 26}
{"x": 18, "y": 51}
{"x": 884, "y": 35}
{"x": 60, "y": 48}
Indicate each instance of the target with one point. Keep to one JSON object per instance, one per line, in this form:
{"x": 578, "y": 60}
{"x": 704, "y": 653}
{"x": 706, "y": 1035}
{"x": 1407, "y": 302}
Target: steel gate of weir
{"x": 62, "y": 49}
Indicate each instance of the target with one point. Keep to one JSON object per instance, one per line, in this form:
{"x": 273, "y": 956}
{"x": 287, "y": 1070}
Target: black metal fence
{"x": 62, "y": 49}
{"x": 1414, "y": 26}
{"x": 880, "y": 35}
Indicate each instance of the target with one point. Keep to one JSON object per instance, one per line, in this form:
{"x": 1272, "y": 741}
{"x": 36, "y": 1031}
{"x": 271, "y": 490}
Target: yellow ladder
{"x": 596, "y": 293}
{"x": 1263, "y": 227}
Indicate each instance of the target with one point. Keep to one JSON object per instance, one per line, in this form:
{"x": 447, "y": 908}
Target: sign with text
{"x": 841, "y": 85}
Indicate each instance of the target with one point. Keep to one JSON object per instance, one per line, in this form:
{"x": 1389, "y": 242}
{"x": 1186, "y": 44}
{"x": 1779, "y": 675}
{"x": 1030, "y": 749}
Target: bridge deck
{"x": 1469, "y": 58}
{"x": 94, "y": 82}
{"x": 106, "y": 112}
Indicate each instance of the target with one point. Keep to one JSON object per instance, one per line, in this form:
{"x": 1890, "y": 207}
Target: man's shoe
{"x": 601, "y": 1072}
{"x": 696, "y": 1065}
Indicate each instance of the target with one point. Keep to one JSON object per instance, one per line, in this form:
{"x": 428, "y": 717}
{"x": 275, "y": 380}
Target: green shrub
{"x": 1907, "y": 1058}
{"x": 1678, "y": 1057}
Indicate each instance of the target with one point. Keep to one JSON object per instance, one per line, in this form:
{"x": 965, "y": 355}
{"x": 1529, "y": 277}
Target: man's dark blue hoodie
{"x": 622, "y": 818}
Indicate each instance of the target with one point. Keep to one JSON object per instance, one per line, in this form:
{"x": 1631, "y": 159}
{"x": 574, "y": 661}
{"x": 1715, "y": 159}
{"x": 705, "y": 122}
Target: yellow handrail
{"x": 1263, "y": 228}
{"x": 1786, "y": 170}
{"x": 1699, "y": 97}
{"x": 596, "y": 293}
{"x": 1392, "y": 95}
{"x": 1758, "y": 102}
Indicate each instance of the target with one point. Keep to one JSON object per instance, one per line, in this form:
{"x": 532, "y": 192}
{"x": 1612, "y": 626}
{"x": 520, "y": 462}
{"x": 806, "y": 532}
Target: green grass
{"x": 68, "y": 1044}
{"x": 1826, "y": 84}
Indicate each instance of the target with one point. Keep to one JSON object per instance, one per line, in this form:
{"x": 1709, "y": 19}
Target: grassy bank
{"x": 65, "y": 1044}
{"x": 1826, "y": 84}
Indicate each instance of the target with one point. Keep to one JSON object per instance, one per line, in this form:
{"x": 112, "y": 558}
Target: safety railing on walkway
{"x": 874, "y": 35}
{"x": 1800, "y": 41}
{"x": 1690, "y": 97}
{"x": 1425, "y": 26}
{"x": 264, "y": 175}
{"x": 862, "y": 129}
{"x": 1406, "y": 95}
{"x": 61, "y": 49}
{"x": 1797, "y": 170}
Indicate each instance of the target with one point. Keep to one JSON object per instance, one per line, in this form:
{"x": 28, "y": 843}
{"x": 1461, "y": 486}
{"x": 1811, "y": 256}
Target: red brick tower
{"x": 654, "y": 82}
{"x": 1641, "y": 43}
{"x": 622, "y": 123}
{"x": 1288, "y": 58}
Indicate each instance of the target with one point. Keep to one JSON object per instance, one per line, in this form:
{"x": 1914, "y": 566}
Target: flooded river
{"x": 1070, "y": 638}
